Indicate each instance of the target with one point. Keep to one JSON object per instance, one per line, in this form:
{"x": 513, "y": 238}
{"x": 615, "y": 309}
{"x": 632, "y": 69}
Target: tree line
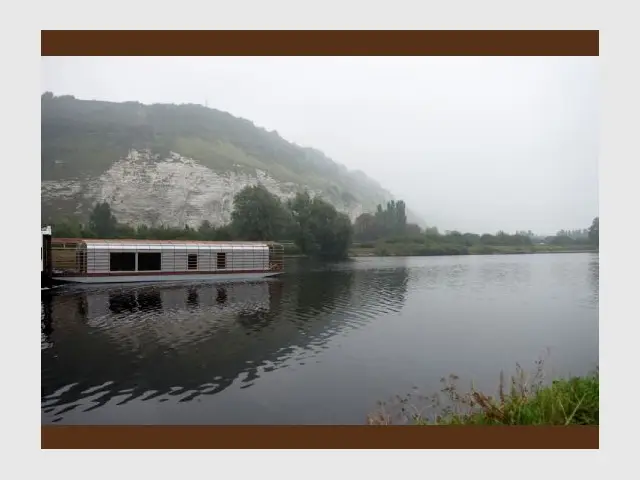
{"x": 312, "y": 224}
{"x": 387, "y": 230}
{"x": 317, "y": 229}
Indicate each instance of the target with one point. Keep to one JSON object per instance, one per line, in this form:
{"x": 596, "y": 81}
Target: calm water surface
{"x": 322, "y": 344}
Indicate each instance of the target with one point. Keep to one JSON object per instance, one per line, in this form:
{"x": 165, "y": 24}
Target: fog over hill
{"x": 178, "y": 164}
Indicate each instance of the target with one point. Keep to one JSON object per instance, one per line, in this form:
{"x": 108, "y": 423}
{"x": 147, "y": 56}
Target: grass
{"x": 529, "y": 401}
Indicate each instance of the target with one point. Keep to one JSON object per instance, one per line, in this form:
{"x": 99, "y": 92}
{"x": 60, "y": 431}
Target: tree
{"x": 471, "y": 239}
{"x": 562, "y": 240}
{"x": 258, "y": 214}
{"x": 365, "y": 227}
{"x": 413, "y": 230}
{"x": 594, "y": 232}
{"x": 68, "y": 228}
{"x": 320, "y": 230}
{"x": 125, "y": 231}
{"x": 400, "y": 216}
{"x": 209, "y": 232}
{"x": 300, "y": 208}
{"x": 206, "y": 230}
{"x": 102, "y": 222}
{"x": 390, "y": 220}
{"x": 487, "y": 239}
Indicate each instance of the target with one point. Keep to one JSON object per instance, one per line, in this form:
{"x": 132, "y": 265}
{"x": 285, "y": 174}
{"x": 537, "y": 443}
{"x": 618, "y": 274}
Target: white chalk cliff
{"x": 174, "y": 191}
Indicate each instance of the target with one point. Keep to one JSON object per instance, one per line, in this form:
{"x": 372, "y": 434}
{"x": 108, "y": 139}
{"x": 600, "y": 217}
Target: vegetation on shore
{"x": 316, "y": 229}
{"x": 386, "y": 233}
{"x": 529, "y": 401}
{"x": 407, "y": 250}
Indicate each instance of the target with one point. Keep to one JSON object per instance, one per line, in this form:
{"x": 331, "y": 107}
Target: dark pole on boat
{"x": 46, "y": 280}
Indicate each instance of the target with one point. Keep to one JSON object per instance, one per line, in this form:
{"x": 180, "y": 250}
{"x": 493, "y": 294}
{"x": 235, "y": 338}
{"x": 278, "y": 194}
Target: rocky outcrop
{"x": 143, "y": 188}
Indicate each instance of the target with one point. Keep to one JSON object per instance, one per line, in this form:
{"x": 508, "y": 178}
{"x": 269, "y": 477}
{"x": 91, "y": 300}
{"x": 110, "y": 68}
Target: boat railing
{"x": 68, "y": 257}
{"x": 276, "y": 257}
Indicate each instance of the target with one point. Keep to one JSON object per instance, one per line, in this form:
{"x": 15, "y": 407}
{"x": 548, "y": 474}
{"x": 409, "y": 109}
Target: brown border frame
{"x": 305, "y": 437}
{"x": 320, "y": 42}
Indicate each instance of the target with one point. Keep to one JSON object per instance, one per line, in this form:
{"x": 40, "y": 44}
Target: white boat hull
{"x": 213, "y": 277}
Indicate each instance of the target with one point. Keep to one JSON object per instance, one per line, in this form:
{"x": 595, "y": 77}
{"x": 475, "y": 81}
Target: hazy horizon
{"x": 476, "y": 144}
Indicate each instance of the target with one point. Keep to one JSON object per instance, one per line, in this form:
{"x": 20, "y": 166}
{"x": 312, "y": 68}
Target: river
{"x": 321, "y": 345}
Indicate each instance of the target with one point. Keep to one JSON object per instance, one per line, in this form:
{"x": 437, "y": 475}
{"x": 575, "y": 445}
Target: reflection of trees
{"x": 123, "y": 302}
{"x": 254, "y": 320}
{"x": 382, "y": 291}
{"x": 320, "y": 291}
{"x": 392, "y": 287}
{"x": 150, "y": 300}
{"x": 161, "y": 338}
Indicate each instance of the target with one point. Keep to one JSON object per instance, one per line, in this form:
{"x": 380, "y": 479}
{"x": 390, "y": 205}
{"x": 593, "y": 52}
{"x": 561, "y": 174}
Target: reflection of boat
{"x": 232, "y": 297}
{"x": 125, "y": 261}
{"x": 156, "y": 341}
{"x": 185, "y": 313}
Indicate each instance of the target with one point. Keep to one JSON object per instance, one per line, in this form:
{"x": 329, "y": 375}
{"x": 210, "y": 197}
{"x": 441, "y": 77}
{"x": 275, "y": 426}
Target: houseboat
{"x": 124, "y": 261}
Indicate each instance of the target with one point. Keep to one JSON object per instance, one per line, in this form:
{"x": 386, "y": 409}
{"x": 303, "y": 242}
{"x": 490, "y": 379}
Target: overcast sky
{"x": 470, "y": 143}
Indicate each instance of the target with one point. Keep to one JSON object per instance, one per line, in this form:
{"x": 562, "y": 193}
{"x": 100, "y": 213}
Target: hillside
{"x": 177, "y": 164}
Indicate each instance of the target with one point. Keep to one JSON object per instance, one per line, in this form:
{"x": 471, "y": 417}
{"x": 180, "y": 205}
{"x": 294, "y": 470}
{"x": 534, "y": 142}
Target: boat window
{"x": 149, "y": 261}
{"x": 122, "y": 262}
{"x": 192, "y": 261}
{"x": 221, "y": 260}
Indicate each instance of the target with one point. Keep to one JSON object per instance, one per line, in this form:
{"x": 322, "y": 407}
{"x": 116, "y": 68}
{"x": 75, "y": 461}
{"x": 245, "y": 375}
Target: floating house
{"x": 125, "y": 261}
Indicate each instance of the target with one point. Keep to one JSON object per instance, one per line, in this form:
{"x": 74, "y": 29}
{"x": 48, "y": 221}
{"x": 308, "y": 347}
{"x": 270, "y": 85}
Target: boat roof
{"x": 192, "y": 243}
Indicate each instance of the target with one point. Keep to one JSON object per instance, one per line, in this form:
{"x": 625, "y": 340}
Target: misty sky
{"x": 470, "y": 143}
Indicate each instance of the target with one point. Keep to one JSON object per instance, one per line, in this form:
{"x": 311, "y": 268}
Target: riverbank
{"x": 408, "y": 250}
{"x": 566, "y": 401}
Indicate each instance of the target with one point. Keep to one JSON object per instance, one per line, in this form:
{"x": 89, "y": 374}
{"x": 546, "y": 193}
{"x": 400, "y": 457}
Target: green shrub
{"x": 570, "y": 401}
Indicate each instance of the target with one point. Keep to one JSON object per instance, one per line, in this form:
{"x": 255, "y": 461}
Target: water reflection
{"x": 183, "y": 342}
{"x": 149, "y": 300}
{"x": 46, "y": 321}
{"x": 192, "y": 297}
{"x": 221, "y": 295}
{"x": 123, "y": 302}
{"x": 594, "y": 277}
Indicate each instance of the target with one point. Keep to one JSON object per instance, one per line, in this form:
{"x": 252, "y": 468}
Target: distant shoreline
{"x": 361, "y": 253}
{"x": 367, "y": 254}
{"x": 372, "y": 253}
